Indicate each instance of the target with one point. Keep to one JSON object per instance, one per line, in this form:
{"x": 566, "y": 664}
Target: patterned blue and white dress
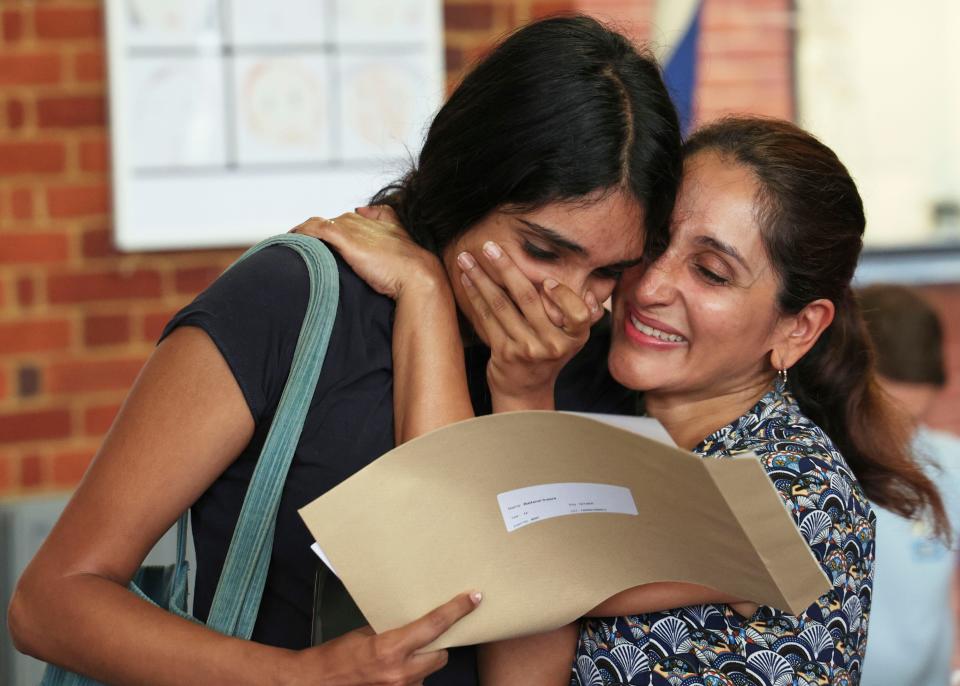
{"x": 711, "y": 645}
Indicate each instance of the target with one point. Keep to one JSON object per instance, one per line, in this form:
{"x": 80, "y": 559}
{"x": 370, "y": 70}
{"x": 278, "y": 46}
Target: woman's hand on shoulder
{"x": 379, "y": 250}
{"x": 395, "y": 658}
{"x": 532, "y": 333}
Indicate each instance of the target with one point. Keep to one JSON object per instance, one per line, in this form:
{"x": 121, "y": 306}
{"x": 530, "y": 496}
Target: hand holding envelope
{"x": 548, "y": 514}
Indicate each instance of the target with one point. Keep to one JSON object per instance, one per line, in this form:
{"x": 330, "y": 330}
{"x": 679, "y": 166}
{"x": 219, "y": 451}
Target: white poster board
{"x": 232, "y": 120}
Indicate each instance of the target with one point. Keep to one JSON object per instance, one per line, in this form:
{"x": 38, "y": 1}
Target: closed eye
{"x": 608, "y": 273}
{"x": 538, "y": 253}
{"x": 710, "y": 276}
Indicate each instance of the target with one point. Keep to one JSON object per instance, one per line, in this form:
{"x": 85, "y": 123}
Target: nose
{"x": 580, "y": 280}
{"x": 654, "y": 283}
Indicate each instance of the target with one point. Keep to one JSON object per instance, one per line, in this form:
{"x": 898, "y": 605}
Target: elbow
{"x": 22, "y": 621}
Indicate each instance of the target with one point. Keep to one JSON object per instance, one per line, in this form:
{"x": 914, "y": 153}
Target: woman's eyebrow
{"x": 556, "y": 239}
{"x": 725, "y": 248}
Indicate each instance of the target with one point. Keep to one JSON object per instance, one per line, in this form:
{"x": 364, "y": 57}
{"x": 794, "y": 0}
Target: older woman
{"x": 743, "y": 334}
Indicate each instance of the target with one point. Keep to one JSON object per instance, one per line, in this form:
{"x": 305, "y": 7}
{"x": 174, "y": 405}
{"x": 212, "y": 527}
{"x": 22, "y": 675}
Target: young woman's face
{"x": 700, "y": 321}
{"x": 584, "y": 245}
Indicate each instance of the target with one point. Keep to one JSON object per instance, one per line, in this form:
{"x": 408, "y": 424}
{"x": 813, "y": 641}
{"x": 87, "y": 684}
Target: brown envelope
{"x": 424, "y": 523}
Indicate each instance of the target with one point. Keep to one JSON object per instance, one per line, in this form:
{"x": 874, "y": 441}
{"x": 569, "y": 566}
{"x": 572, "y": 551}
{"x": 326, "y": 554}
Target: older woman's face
{"x": 700, "y": 321}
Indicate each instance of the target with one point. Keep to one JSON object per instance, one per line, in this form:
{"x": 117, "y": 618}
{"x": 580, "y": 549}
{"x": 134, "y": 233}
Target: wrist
{"x": 290, "y": 670}
{"x": 426, "y": 278}
{"x": 529, "y": 399}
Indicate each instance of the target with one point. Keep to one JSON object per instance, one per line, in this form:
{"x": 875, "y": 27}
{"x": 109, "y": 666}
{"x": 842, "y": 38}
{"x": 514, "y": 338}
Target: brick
{"x": 34, "y": 425}
{"x": 21, "y": 203}
{"x": 68, "y": 22}
{"x": 34, "y": 336}
{"x": 12, "y": 25}
{"x": 29, "y": 381}
{"x": 16, "y": 114}
{"x": 81, "y": 376}
{"x": 68, "y": 468}
{"x": 71, "y": 111}
{"x": 29, "y": 69}
{"x": 90, "y": 66}
{"x": 540, "y": 10}
{"x": 78, "y": 201}
{"x": 7, "y": 474}
{"x": 26, "y": 291}
{"x": 154, "y": 324}
{"x": 98, "y": 243}
{"x": 469, "y": 17}
{"x": 454, "y": 59}
{"x": 192, "y": 280}
{"x": 94, "y": 155}
{"x": 98, "y": 419}
{"x": 35, "y": 248}
{"x": 74, "y": 287}
{"x": 106, "y": 329}
{"x": 32, "y": 157}
{"x": 31, "y": 471}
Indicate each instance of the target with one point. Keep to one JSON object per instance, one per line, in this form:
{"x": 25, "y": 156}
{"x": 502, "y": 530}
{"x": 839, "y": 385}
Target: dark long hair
{"x": 560, "y": 109}
{"x": 812, "y": 221}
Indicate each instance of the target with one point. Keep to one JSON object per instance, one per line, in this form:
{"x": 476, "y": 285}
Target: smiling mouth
{"x": 656, "y": 333}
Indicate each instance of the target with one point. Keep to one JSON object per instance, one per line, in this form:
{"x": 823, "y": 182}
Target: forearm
{"x": 429, "y": 378}
{"x": 665, "y": 595}
{"x": 541, "y": 659}
{"x": 95, "y": 626}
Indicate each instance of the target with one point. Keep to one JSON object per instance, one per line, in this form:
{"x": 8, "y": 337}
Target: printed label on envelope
{"x": 524, "y": 506}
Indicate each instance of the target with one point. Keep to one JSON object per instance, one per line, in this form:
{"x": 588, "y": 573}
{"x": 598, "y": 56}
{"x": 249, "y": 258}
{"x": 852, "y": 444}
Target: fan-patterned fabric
{"x": 711, "y": 645}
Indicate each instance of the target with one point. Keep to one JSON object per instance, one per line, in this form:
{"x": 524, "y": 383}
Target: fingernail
{"x": 465, "y": 280}
{"x": 592, "y": 302}
{"x": 466, "y": 260}
{"x": 476, "y": 597}
{"x": 492, "y": 250}
{"x": 550, "y": 284}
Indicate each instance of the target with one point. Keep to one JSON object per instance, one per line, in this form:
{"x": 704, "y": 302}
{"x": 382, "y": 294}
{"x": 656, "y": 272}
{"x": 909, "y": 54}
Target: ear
{"x": 797, "y": 333}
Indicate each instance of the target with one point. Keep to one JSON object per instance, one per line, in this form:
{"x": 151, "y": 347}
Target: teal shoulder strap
{"x": 237, "y": 598}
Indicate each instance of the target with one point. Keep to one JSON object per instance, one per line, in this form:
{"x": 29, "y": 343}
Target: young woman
{"x": 743, "y": 334}
{"x": 563, "y": 142}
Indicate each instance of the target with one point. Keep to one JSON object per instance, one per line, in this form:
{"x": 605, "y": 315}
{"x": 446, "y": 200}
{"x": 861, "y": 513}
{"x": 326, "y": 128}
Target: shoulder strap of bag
{"x": 237, "y": 598}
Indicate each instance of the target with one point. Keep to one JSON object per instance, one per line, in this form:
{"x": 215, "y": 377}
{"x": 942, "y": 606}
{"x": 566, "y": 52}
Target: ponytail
{"x": 812, "y": 221}
{"x": 835, "y": 385}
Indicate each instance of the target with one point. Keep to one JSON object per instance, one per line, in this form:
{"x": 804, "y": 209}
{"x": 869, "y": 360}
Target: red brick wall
{"x": 77, "y": 319}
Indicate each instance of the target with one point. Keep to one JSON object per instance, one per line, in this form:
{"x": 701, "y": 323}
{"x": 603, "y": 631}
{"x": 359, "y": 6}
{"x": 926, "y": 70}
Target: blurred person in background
{"x": 914, "y": 570}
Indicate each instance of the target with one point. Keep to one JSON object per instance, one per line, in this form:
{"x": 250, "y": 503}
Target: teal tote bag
{"x": 237, "y": 598}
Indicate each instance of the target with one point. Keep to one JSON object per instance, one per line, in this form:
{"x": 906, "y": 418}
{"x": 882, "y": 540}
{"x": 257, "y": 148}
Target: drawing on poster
{"x": 380, "y": 110}
{"x": 188, "y": 23}
{"x": 290, "y": 22}
{"x": 177, "y": 113}
{"x": 377, "y": 22}
{"x": 282, "y": 110}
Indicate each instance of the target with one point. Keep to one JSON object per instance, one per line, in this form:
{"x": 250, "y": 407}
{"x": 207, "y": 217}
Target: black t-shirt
{"x": 253, "y": 314}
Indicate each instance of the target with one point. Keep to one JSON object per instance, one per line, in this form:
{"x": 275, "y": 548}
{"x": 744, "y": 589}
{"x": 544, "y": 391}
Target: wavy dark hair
{"x": 560, "y": 109}
{"x": 812, "y": 222}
